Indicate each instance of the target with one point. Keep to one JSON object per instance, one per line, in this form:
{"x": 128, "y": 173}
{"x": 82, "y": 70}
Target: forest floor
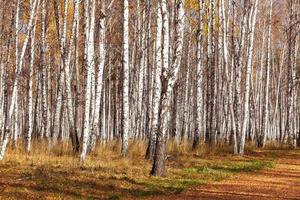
{"x": 202, "y": 174}
{"x": 277, "y": 183}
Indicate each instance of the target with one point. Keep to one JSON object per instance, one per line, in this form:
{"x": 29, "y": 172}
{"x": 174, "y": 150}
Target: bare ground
{"x": 280, "y": 182}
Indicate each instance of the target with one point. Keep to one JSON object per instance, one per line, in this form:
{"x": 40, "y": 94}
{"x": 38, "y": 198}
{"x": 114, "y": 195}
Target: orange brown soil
{"x": 280, "y": 182}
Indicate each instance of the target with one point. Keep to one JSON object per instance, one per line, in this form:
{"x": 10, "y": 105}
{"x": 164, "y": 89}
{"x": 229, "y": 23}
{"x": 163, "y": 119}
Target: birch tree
{"x": 168, "y": 79}
{"x": 266, "y": 109}
{"x": 248, "y": 76}
{"x": 198, "y": 96}
{"x": 125, "y": 119}
{"x": 30, "y": 95}
{"x": 89, "y": 18}
{"x": 157, "y": 84}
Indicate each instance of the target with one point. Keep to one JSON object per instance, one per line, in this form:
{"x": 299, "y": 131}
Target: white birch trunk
{"x": 248, "y": 77}
{"x": 157, "y": 83}
{"x": 68, "y": 79}
{"x": 266, "y": 117}
{"x": 45, "y": 112}
{"x": 169, "y": 78}
{"x": 90, "y": 63}
{"x": 126, "y": 115}
{"x": 99, "y": 85}
{"x": 199, "y": 79}
{"x": 30, "y": 95}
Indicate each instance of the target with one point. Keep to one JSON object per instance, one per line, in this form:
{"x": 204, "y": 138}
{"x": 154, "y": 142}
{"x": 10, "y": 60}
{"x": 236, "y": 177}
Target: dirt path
{"x": 280, "y": 182}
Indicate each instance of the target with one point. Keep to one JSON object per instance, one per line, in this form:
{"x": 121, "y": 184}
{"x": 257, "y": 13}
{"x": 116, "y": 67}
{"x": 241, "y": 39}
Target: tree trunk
{"x": 168, "y": 80}
{"x": 126, "y": 118}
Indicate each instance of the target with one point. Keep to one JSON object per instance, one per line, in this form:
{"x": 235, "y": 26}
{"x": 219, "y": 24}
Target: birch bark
{"x": 248, "y": 77}
{"x": 90, "y": 64}
{"x": 199, "y": 78}
{"x": 126, "y": 118}
{"x": 168, "y": 80}
{"x": 157, "y": 84}
{"x": 30, "y": 93}
{"x": 266, "y": 116}
{"x": 99, "y": 86}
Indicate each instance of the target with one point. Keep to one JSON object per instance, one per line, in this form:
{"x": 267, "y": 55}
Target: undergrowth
{"x": 57, "y": 173}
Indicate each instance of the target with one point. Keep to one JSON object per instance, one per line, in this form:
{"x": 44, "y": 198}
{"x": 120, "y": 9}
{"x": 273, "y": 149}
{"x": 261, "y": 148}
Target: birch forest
{"x": 207, "y": 73}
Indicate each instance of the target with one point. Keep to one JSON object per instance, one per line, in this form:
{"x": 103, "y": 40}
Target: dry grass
{"x": 57, "y": 174}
